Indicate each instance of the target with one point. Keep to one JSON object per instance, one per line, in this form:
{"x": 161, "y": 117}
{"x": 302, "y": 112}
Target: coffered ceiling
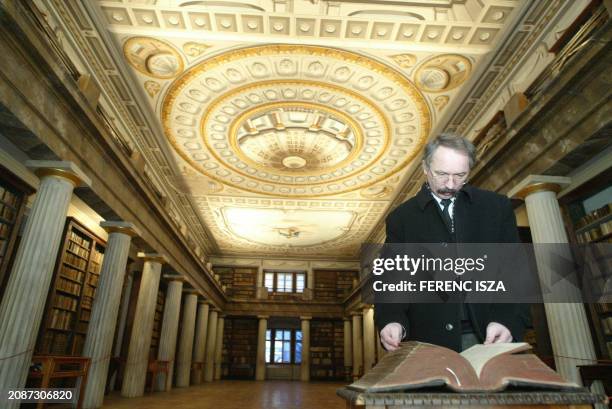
{"x": 286, "y": 127}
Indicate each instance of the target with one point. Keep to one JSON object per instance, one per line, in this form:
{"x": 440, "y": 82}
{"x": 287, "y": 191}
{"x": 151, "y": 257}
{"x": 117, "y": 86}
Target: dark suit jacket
{"x": 480, "y": 216}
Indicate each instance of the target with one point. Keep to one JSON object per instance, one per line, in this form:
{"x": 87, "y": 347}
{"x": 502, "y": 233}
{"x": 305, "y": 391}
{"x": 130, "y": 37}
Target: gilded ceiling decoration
{"x": 443, "y": 72}
{"x": 338, "y": 122}
{"x": 283, "y": 128}
{"x": 153, "y": 57}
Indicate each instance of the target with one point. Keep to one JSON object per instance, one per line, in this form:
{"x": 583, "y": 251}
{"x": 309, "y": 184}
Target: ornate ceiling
{"x": 288, "y": 125}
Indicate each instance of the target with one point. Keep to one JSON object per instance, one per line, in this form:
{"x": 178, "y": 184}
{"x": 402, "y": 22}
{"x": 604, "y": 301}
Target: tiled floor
{"x": 237, "y": 395}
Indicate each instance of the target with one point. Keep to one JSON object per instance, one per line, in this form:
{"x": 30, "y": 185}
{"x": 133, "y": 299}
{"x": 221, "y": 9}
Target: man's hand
{"x": 496, "y": 332}
{"x": 391, "y": 336}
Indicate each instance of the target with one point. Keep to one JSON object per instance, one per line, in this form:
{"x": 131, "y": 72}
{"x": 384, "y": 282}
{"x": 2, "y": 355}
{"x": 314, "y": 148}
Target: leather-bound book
{"x": 481, "y": 368}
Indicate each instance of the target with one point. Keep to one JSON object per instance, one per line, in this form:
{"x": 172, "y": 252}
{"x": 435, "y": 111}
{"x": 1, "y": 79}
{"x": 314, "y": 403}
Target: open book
{"x": 480, "y": 368}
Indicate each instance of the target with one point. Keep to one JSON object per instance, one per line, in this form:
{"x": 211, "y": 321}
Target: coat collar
{"x": 424, "y": 196}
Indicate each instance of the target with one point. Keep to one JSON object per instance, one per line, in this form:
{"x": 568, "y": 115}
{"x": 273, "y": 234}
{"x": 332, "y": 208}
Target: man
{"x": 446, "y": 210}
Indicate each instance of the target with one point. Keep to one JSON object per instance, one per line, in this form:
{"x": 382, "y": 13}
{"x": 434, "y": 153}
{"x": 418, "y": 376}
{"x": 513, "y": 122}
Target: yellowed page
{"x": 480, "y": 354}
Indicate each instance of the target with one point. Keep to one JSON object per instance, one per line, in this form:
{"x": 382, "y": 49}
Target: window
{"x": 285, "y": 282}
{"x": 283, "y": 346}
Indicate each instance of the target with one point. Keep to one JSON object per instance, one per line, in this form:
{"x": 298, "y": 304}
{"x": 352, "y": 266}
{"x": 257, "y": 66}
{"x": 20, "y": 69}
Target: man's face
{"x": 447, "y": 172}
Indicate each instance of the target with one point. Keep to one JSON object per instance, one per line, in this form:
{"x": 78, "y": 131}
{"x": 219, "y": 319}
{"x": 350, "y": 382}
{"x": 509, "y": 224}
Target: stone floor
{"x": 237, "y": 395}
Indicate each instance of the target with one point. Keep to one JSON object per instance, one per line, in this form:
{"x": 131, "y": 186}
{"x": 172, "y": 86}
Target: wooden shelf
{"x": 73, "y": 269}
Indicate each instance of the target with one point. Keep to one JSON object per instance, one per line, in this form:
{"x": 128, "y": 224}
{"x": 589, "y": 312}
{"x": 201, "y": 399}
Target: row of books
{"x": 7, "y": 212}
{"x": 80, "y": 240}
{"x": 85, "y": 315}
{"x": 606, "y": 324}
{"x": 76, "y": 261}
{"x": 5, "y": 229}
{"x": 78, "y": 250}
{"x": 67, "y": 303}
{"x": 69, "y": 286}
{"x": 8, "y": 197}
{"x": 72, "y": 273}
{"x": 97, "y": 257}
{"x": 92, "y": 279}
{"x": 61, "y": 319}
{"x": 86, "y": 301}
{"x": 595, "y": 233}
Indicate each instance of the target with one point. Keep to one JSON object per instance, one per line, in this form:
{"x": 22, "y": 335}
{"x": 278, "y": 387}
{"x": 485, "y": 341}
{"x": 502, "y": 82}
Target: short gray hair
{"x": 452, "y": 141}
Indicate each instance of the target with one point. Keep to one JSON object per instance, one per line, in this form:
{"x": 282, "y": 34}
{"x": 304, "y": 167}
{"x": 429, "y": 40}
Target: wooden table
{"x": 60, "y": 367}
{"x": 581, "y": 399}
{"x": 155, "y": 367}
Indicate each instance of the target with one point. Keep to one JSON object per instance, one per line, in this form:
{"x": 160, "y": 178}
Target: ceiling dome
{"x": 296, "y": 138}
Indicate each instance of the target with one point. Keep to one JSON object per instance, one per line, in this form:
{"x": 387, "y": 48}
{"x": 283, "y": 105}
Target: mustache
{"x": 446, "y": 191}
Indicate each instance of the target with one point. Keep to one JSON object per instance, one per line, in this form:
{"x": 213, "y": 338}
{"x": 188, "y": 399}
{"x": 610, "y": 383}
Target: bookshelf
{"x": 73, "y": 289}
{"x": 596, "y": 227}
{"x": 240, "y": 281}
{"x": 240, "y": 347}
{"x": 333, "y": 285}
{"x": 157, "y": 323}
{"x": 326, "y": 350}
{"x": 13, "y": 195}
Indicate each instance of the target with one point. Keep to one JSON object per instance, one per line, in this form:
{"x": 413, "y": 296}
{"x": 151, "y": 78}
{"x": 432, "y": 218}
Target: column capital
{"x": 349, "y": 319}
{"x": 203, "y": 301}
{"x": 120, "y": 227}
{"x": 263, "y": 317}
{"x": 156, "y": 257}
{"x": 305, "y": 318}
{"x": 62, "y": 169}
{"x": 191, "y": 291}
{"x": 356, "y": 313}
{"x": 174, "y": 277}
{"x": 367, "y": 306}
{"x": 538, "y": 183}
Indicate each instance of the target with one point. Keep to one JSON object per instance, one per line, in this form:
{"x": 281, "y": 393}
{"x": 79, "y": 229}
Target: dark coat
{"x": 480, "y": 216}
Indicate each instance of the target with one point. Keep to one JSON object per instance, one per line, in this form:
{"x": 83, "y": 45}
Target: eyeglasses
{"x": 443, "y": 177}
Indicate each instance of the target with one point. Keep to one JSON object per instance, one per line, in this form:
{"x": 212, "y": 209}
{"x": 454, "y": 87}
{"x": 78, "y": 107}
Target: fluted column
{"x": 22, "y": 307}
{"x": 99, "y": 340}
{"x": 348, "y": 346}
{"x": 567, "y": 322}
{"x": 211, "y": 339}
{"x": 357, "y": 346}
{"x": 135, "y": 372}
{"x": 368, "y": 338}
{"x": 199, "y": 349}
{"x": 185, "y": 351}
{"x": 219, "y": 347}
{"x": 260, "y": 366}
{"x": 169, "y": 329}
{"x": 305, "y": 365}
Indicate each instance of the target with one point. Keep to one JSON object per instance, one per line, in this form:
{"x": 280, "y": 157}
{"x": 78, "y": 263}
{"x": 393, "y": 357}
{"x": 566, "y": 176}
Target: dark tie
{"x": 446, "y": 215}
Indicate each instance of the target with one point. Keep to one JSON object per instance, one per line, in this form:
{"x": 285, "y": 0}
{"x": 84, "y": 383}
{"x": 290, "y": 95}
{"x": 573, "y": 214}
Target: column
{"x": 219, "y": 347}
{"x": 101, "y": 329}
{"x": 185, "y": 351}
{"x": 23, "y": 304}
{"x": 169, "y": 329}
{"x": 357, "y": 346}
{"x": 199, "y": 349}
{"x": 305, "y": 365}
{"x": 135, "y": 372}
{"x": 260, "y": 367}
{"x": 368, "y": 339}
{"x": 567, "y": 322}
{"x": 348, "y": 347}
{"x": 211, "y": 338}
{"x": 310, "y": 284}
{"x": 260, "y": 288}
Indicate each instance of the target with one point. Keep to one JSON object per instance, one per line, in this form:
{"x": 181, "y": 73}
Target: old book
{"x": 480, "y": 368}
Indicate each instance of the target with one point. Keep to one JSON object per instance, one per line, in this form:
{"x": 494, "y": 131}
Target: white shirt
{"x": 451, "y": 207}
